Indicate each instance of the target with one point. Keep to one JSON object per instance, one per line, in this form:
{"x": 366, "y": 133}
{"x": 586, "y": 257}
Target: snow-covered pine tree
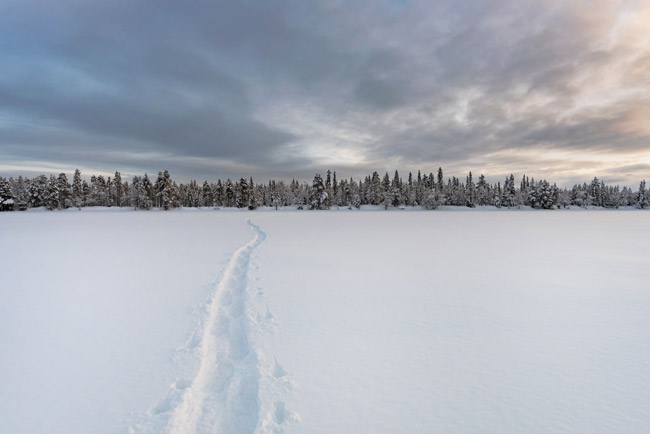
{"x": 65, "y": 191}
{"x": 77, "y": 191}
{"x": 253, "y": 201}
{"x": 36, "y": 192}
{"x": 192, "y": 195}
{"x": 470, "y": 192}
{"x": 174, "y": 194}
{"x": 110, "y": 192}
{"x": 595, "y": 195}
{"x": 396, "y": 191}
{"x": 207, "y": 193}
{"x": 431, "y": 199}
{"x": 6, "y": 197}
{"x": 147, "y": 195}
{"x": 328, "y": 188}
{"x": 52, "y": 194}
{"x": 219, "y": 194}
{"x": 159, "y": 187}
{"x": 229, "y": 199}
{"x": 117, "y": 181}
{"x": 440, "y": 185}
{"x": 374, "y": 192}
{"x": 136, "y": 190}
{"x": 509, "y": 194}
{"x": 20, "y": 192}
{"x": 243, "y": 194}
{"x": 642, "y": 197}
{"x": 85, "y": 188}
{"x": 412, "y": 199}
{"x": 165, "y": 191}
{"x": 317, "y": 194}
{"x": 276, "y": 196}
{"x": 497, "y": 196}
{"x": 483, "y": 192}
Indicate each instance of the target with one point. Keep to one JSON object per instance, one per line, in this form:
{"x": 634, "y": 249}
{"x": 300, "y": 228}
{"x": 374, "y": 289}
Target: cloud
{"x": 283, "y": 88}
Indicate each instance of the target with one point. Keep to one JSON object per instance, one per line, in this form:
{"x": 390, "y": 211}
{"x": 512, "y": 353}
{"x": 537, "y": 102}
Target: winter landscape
{"x": 332, "y": 216}
{"x": 336, "y": 321}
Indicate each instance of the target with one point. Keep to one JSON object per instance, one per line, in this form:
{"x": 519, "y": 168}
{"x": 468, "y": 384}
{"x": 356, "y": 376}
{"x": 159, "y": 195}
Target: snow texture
{"x": 320, "y": 322}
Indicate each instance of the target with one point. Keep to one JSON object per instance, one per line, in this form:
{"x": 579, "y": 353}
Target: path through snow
{"x": 223, "y": 396}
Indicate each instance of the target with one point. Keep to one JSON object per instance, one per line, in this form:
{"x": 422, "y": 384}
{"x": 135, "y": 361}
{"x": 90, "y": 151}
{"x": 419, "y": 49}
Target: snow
{"x": 93, "y": 307}
{"x": 461, "y": 321}
{"x": 319, "y": 322}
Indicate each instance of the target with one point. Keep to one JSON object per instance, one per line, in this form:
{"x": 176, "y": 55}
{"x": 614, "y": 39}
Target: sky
{"x": 283, "y": 89}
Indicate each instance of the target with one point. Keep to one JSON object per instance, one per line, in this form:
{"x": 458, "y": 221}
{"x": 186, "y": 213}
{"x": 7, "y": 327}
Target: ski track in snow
{"x": 223, "y": 397}
{"x": 228, "y": 393}
{"x": 236, "y": 387}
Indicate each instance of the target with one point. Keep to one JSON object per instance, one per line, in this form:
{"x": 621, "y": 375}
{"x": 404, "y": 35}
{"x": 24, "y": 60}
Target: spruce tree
{"x": 52, "y": 194}
{"x": 77, "y": 191}
{"x": 470, "y": 192}
{"x": 642, "y": 197}
{"x": 483, "y": 192}
{"x": 117, "y": 180}
{"x": 243, "y": 194}
{"x": 317, "y": 194}
{"x": 65, "y": 191}
{"x": 229, "y": 199}
{"x": 20, "y": 191}
{"x": 6, "y": 198}
{"x": 497, "y": 196}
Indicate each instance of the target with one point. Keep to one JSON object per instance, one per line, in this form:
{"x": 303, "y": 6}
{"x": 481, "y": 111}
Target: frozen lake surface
{"x": 321, "y": 322}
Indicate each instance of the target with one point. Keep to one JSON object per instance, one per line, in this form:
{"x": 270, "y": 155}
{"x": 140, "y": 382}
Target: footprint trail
{"x": 223, "y": 396}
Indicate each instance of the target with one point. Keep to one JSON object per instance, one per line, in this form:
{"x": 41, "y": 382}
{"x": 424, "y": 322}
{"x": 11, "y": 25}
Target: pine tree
{"x": 431, "y": 199}
{"x": 441, "y": 181}
{"x": 642, "y": 197}
{"x": 509, "y": 194}
{"x": 276, "y": 197}
{"x": 470, "y": 193}
{"x": 497, "y": 196}
{"x": 166, "y": 196}
{"x": 77, "y": 191}
{"x": 6, "y": 197}
{"x": 219, "y": 194}
{"x": 243, "y": 194}
{"x": 207, "y": 194}
{"x": 117, "y": 181}
{"x": 136, "y": 191}
{"x": 65, "y": 191}
{"x": 147, "y": 195}
{"x": 594, "y": 192}
{"x": 396, "y": 191}
{"x": 483, "y": 192}
{"x": 20, "y": 192}
{"x": 328, "y": 188}
{"x": 229, "y": 199}
{"x": 317, "y": 194}
{"x": 36, "y": 191}
{"x": 52, "y": 194}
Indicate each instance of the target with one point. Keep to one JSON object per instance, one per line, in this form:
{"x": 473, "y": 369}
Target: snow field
{"x": 450, "y": 321}
{"x": 319, "y": 322}
{"x": 94, "y": 307}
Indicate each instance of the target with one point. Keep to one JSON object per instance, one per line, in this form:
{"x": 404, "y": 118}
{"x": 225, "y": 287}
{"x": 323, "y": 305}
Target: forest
{"x": 427, "y": 191}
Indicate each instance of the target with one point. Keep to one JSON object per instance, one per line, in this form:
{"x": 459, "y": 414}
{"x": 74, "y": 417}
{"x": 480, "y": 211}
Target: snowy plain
{"x": 320, "y": 322}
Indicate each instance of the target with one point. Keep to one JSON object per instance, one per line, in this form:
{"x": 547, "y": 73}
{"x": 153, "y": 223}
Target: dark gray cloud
{"x": 214, "y": 89}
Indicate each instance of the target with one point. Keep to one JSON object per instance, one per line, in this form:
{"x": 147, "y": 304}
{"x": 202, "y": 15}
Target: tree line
{"x": 428, "y": 191}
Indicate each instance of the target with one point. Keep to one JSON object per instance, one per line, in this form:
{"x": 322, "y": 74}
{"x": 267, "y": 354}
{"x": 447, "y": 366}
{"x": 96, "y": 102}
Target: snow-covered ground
{"x": 304, "y": 322}
{"x": 93, "y": 306}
